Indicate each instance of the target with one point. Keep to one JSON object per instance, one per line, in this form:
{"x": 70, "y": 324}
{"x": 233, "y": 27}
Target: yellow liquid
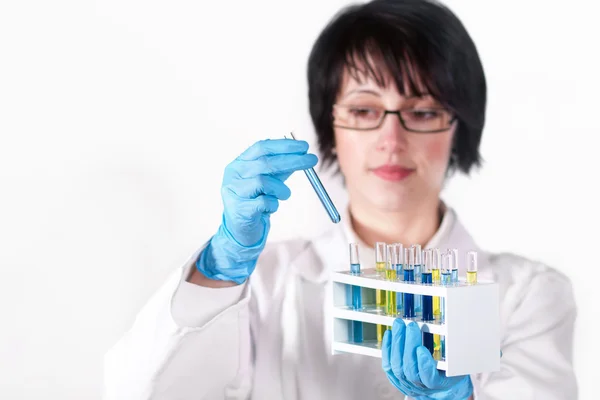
{"x": 471, "y": 277}
{"x": 390, "y": 296}
{"x": 380, "y": 330}
{"x": 380, "y": 300}
{"x": 379, "y": 294}
{"x": 435, "y": 277}
{"x": 437, "y": 347}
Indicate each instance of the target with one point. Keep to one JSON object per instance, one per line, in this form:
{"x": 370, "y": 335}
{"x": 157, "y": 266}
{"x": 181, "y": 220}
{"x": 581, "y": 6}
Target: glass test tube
{"x": 455, "y": 266}
{"x": 418, "y": 267}
{"x": 357, "y": 326}
{"x": 472, "y": 267}
{"x": 398, "y": 257}
{"x": 427, "y": 279}
{"x": 409, "y": 276}
{"x": 390, "y": 275}
{"x": 380, "y": 267}
{"x": 446, "y": 279}
{"x": 436, "y": 260}
{"x": 435, "y": 277}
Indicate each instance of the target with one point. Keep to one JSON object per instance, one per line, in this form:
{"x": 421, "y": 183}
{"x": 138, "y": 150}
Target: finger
{"x": 273, "y": 165}
{"x": 247, "y": 210}
{"x": 271, "y": 147}
{"x": 251, "y": 188}
{"x": 283, "y": 177}
{"x": 385, "y": 352}
{"x": 398, "y": 339}
{"x": 413, "y": 340}
{"x": 430, "y": 376}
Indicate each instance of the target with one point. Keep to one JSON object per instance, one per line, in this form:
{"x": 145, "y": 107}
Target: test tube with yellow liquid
{"x": 380, "y": 268}
{"x": 436, "y": 263}
{"x": 472, "y": 267}
{"x": 390, "y": 275}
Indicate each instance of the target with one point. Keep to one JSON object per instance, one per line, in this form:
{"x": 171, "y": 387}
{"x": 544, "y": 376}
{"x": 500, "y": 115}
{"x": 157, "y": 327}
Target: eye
{"x": 364, "y": 112}
{"x": 423, "y": 114}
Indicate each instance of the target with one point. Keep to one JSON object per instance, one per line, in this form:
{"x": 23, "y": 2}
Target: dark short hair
{"x": 401, "y": 36}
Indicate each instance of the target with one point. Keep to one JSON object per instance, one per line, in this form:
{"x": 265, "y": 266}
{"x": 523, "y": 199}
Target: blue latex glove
{"x": 410, "y": 367}
{"x": 251, "y": 189}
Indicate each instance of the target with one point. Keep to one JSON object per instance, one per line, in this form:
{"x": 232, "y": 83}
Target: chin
{"x": 386, "y": 200}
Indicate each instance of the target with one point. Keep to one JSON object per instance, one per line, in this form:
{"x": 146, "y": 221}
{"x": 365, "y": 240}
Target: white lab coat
{"x": 268, "y": 338}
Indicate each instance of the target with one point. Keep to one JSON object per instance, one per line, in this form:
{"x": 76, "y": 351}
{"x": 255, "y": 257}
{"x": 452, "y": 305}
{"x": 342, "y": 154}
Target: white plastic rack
{"x": 471, "y": 327}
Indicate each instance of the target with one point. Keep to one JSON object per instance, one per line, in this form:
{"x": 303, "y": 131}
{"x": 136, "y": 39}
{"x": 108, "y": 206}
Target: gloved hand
{"x": 251, "y": 189}
{"x": 410, "y": 367}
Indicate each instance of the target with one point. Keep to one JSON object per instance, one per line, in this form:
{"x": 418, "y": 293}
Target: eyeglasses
{"x": 421, "y": 120}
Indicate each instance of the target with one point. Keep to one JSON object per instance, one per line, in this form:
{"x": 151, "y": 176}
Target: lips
{"x": 393, "y": 173}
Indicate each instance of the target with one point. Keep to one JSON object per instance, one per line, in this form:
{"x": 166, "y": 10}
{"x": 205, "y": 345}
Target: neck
{"x": 415, "y": 226}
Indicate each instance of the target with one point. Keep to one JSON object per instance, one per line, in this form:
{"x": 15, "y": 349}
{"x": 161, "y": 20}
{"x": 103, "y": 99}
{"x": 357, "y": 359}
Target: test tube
{"x": 409, "y": 276}
{"x": 380, "y": 257}
{"x": 446, "y": 279}
{"x": 472, "y": 267}
{"x": 399, "y": 257}
{"x": 390, "y": 275}
{"x": 380, "y": 267}
{"x": 357, "y": 326}
{"x": 455, "y": 266}
{"x": 319, "y": 189}
{"x": 427, "y": 279}
{"x": 418, "y": 270}
{"x": 436, "y": 260}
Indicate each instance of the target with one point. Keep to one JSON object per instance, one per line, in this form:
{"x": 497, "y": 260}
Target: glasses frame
{"x": 402, "y": 122}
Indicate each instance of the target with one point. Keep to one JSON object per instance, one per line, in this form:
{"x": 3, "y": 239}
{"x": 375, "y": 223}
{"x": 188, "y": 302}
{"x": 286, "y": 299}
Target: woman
{"x": 397, "y": 98}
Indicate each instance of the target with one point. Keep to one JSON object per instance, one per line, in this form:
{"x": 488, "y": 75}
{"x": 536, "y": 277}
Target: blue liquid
{"x": 399, "y": 296}
{"x": 443, "y": 347}
{"x": 428, "y": 341}
{"x": 409, "y": 298}
{"x": 355, "y": 268}
{"x": 454, "y": 276}
{"x": 427, "y": 300}
{"x": 356, "y": 298}
{"x": 446, "y": 279}
{"x": 418, "y": 297}
{"x": 357, "y": 331}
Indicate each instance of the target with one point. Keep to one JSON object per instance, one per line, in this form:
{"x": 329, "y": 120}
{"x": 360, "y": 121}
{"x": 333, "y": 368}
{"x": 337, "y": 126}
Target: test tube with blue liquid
{"x": 409, "y": 276}
{"x": 427, "y": 279}
{"x": 398, "y": 260}
{"x": 319, "y": 189}
{"x": 418, "y": 266}
{"x": 445, "y": 280}
{"x": 454, "y": 266}
{"x": 357, "y": 326}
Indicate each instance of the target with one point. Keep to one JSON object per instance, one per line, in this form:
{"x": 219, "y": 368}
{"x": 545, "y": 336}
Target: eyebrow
{"x": 359, "y": 90}
{"x": 373, "y": 92}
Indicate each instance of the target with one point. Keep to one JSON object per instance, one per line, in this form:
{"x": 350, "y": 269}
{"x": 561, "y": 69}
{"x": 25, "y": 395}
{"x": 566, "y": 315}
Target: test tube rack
{"x": 471, "y": 326}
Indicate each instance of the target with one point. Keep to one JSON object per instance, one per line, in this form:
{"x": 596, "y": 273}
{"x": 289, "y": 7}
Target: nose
{"x": 392, "y": 135}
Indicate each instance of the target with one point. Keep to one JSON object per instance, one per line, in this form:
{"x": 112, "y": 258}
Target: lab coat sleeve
{"x": 188, "y": 342}
{"x": 537, "y": 345}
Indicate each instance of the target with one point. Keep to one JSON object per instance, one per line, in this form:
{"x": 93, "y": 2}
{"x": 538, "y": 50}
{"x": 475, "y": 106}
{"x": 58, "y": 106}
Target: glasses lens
{"x": 426, "y": 120}
{"x": 357, "y": 117}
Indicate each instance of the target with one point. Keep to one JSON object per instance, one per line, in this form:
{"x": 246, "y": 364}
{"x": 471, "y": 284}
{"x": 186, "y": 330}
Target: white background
{"x": 107, "y": 180}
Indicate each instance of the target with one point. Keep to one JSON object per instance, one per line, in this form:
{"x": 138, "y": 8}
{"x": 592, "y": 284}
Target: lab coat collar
{"x": 330, "y": 250}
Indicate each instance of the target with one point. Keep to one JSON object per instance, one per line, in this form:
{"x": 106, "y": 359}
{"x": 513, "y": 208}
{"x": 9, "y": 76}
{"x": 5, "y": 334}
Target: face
{"x": 389, "y": 168}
